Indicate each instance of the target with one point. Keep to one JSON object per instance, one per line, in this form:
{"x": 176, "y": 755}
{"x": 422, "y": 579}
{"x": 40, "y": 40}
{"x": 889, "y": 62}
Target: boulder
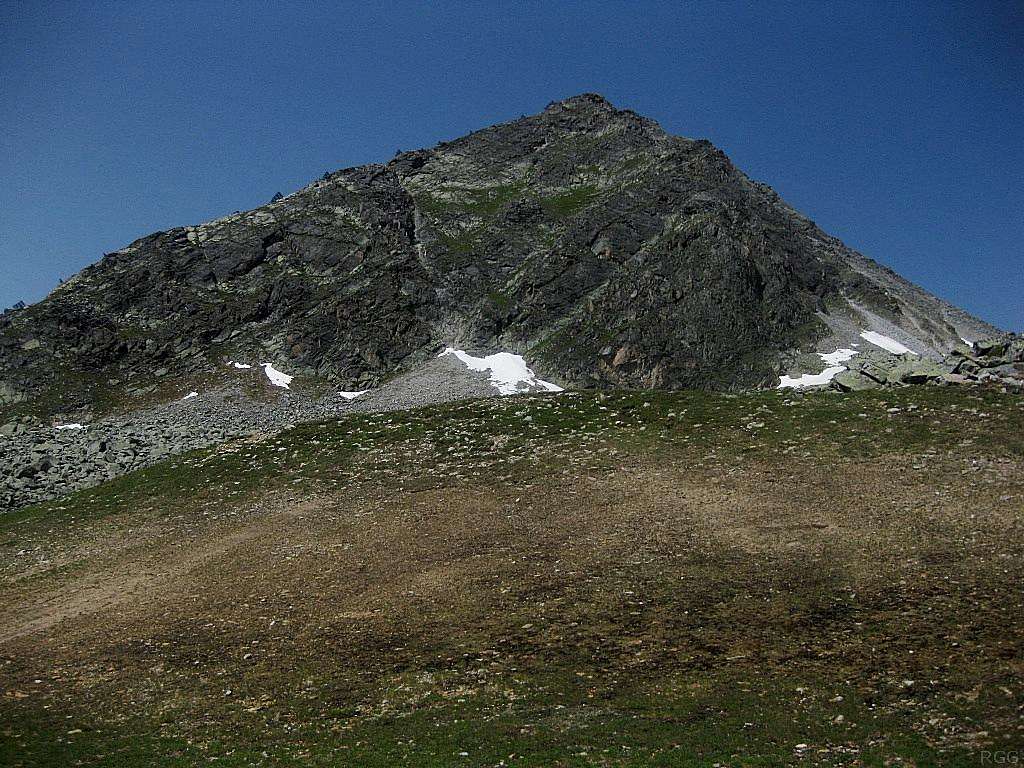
{"x": 1010, "y": 370}
{"x": 37, "y": 466}
{"x": 994, "y": 347}
{"x": 876, "y": 365}
{"x": 854, "y": 381}
{"x": 96, "y": 447}
{"x": 954, "y": 378}
{"x": 25, "y": 471}
{"x": 1016, "y": 350}
{"x": 9, "y": 395}
{"x": 916, "y": 370}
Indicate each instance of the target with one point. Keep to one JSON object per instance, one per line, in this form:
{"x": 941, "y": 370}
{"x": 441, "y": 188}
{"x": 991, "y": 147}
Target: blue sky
{"x": 898, "y": 127}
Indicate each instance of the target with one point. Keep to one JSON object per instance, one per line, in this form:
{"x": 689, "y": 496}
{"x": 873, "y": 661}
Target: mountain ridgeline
{"x": 606, "y": 251}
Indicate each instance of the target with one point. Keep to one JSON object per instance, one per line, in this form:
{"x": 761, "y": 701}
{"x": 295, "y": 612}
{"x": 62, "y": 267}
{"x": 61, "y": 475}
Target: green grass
{"x": 462, "y": 240}
{"x": 542, "y": 718}
{"x": 43, "y": 739}
{"x": 571, "y": 202}
{"x": 408, "y": 445}
{"x": 500, "y": 300}
{"x": 484, "y": 202}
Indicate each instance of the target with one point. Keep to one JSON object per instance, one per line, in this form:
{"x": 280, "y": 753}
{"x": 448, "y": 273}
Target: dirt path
{"x": 142, "y": 574}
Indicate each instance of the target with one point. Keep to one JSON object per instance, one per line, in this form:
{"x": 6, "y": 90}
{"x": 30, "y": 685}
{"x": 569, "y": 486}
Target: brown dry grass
{"x": 305, "y": 620}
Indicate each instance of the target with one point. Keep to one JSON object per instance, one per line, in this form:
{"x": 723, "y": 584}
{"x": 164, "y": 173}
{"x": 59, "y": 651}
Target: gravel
{"x": 42, "y": 462}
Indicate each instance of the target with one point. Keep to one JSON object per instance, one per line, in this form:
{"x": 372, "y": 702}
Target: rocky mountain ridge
{"x": 606, "y": 251}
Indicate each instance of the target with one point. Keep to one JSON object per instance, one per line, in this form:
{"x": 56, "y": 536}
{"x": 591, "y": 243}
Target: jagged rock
{"x": 880, "y": 367}
{"x": 36, "y": 466}
{"x": 1006, "y": 370}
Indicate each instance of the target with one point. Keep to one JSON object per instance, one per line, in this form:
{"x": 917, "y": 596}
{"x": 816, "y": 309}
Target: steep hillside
{"x": 603, "y": 249}
{"x": 590, "y": 580}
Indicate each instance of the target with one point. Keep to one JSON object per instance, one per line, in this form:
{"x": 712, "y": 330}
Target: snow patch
{"x": 509, "y": 373}
{"x": 189, "y": 396}
{"x": 352, "y": 395}
{"x": 240, "y": 366}
{"x": 886, "y": 343}
{"x": 62, "y": 427}
{"x": 837, "y": 357}
{"x": 811, "y": 379}
{"x": 277, "y": 378}
{"x": 831, "y": 359}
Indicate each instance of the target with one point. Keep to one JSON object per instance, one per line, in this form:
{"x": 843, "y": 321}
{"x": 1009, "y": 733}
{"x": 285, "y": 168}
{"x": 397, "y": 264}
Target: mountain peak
{"x": 587, "y": 239}
{"x": 585, "y": 100}
{"x": 589, "y": 111}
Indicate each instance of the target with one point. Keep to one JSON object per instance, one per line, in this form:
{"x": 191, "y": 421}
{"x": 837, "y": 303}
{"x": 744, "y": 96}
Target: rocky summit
{"x": 587, "y": 239}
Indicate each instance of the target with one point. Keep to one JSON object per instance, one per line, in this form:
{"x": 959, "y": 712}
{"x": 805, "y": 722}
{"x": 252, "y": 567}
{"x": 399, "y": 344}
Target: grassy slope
{"x": 631, "y": 579}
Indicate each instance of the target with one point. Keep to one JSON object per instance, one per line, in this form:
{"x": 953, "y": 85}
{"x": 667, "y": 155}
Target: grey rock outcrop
{"x": 998, "y": 360}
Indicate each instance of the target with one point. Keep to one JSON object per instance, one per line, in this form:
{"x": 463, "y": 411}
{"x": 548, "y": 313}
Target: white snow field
{"x": 831, "y": 359}
{"x": 837, "y": 357}
{"x": 351, "y": 395}
{"x": 283, "y": 380}
{"x": 277, "y": 378}
{"x": 886, "y": 343}
{"x": 509, "y": 373}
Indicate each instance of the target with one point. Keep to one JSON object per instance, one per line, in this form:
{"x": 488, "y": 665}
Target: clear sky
{"x": 898, "y": 127}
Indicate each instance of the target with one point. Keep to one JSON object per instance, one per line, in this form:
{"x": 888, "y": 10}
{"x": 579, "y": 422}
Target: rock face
{"x": 605, "y": 250}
